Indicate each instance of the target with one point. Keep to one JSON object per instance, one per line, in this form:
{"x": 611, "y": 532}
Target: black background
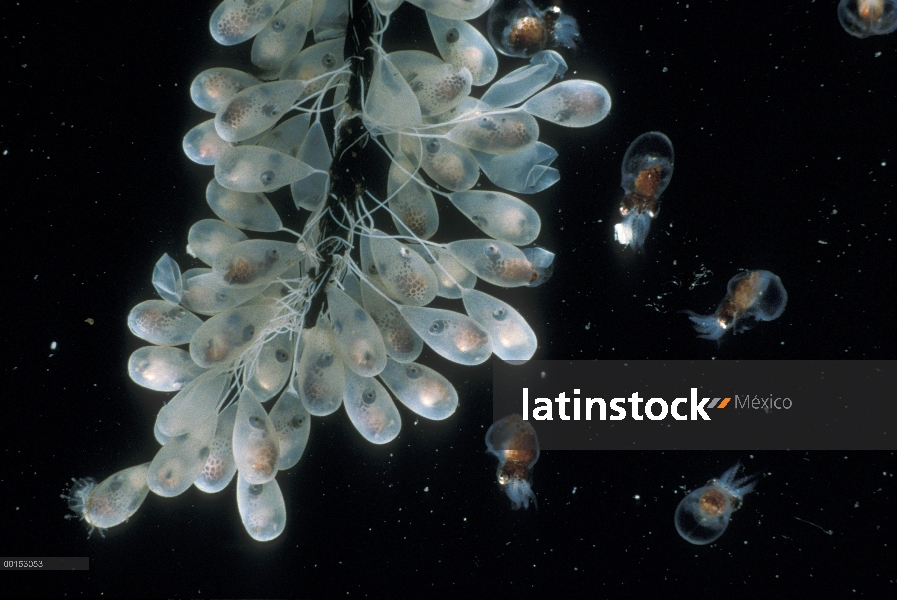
{"x": 783, "y": 127}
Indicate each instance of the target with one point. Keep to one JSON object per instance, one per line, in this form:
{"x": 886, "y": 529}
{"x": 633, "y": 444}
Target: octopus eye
{"x": 324, "y": 361}
{"x": 267, "y": 177}
{"x": 432, "y": 146}
{"x": 328, "y": 61}
{"x": 452, "y": 35}
{"x": 437, "y": 327}
{"x": 368, "y": 396}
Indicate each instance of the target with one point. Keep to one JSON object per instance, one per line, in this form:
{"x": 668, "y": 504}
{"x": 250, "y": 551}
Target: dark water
{"x": 785, "y": 156}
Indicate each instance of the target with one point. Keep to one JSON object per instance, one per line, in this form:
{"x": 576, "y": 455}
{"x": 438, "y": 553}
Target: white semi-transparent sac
{"x": 399, "y": 339}
{"x": 520, "y": 84}
{"x": 221, "y": 340}
{"x": 252, "y": 212}
{"x": 575, "y": 103}
{"x": 181, "y": 460}
{"x": 421, "y": 389}
{"x": 236, "y": 21}
{"x": 320, "y": 376}
{"x": 203, "y": 145}
{"x": 391, "y": 104}
{"x": 501, "y": 133}
{"x": 310, "y": 192}
{"x": 293, "y": 426}
{"x": 460, "y": 44}
{"x": 163, "y": 323}
{"x": 497, "y": 262}
{"x": 283, "y": 36}
{"x": 450, "y": 165}
{"x": 371, "y": 409}
{"x": 450, "y": 273}
{"x": 512, "y": 338}
{"x": 440, "y": 88}
{"x": 257, "y": 169}
{"x": 205, "y": 294}
{"x": 403, "y": 272}
{"x": 162, "y": 368}
{"x": 454, "y": 9}
{"x": 212, "y": 89}
{"x": 208, "y": 237}
{"x": 255, "y": 445}
{"x": 357, "y": 338}
{"x": 111, "y": 502}
{"x": 275, "y": 362}
{"x": 262, "y": 509}
{"x": 352, "y": 287}
{"x": 194, "y": 403}
{"x": 413, "y": 205}
{"x": 543, "y": 264}
{"x": 258, "y": 336}
{"x": 288, "y": 136}
{"x": 168, "y": 279}
{"x": 455, "y": 336}
{"x": 525, "y": 172}
{"x": 254, "y": 262}
{"x": 499, "y": 215}
{"x": 220, "y": 466}
{"x": 313, "y": 63}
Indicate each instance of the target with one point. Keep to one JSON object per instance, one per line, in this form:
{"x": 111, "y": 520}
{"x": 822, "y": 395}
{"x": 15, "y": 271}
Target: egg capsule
{"x": 111, "y": 502}
{"x": 460, "y": 44}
